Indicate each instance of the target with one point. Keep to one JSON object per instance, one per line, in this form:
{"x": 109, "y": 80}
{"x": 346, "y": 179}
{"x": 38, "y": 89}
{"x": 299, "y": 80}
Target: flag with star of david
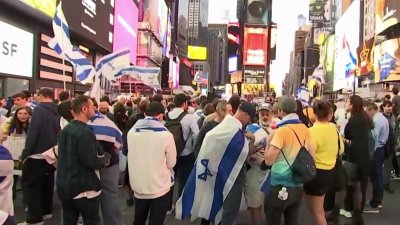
{"x": 221, "y": 158}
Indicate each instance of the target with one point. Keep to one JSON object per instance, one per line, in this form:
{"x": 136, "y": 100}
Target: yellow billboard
{"x": 197, "y": 52}
{"x": 47, "y": 7}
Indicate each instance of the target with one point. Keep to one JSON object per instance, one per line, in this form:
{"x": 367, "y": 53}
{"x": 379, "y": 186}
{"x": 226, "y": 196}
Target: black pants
{"x": 37, "y": 187}
{"x": 157, "y": 208}
{"x": 274, "y": 208}
{"x": 87, "y": 208}
{"x": 184, "y": 166}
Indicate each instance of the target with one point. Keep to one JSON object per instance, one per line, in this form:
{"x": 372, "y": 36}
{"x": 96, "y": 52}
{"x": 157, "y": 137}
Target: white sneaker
{"x": 345, "y": 213}
{"x": 47, "y": 217}
{"x": 25, "y": 223}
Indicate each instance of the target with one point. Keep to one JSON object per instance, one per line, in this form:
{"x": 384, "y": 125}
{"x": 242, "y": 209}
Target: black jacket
{"x": 43, "y": 129}
{"x": 78, "y": 160}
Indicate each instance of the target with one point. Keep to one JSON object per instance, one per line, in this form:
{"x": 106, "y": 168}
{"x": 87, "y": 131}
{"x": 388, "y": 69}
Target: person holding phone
{"x": 79, "y": 162}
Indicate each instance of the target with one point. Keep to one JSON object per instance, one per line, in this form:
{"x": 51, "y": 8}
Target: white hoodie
{"x": 151, "y": 157}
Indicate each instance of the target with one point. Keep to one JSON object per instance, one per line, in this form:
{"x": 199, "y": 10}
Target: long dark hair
{"x": 303, "y": 118}
{"x": 16, "y": 125}
{"x": 357, "y": 109}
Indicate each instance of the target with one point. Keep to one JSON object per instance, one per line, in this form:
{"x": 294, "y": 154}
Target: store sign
{"x": 347, "y": 35}
{"x": 197, "y": 52}
{"x": 47, "y": 7}
{"x": 93, "y": 20}
{"x": 254, "y": 74}
{"x": 255, "y": 46}
{"x": 388, "y": 14}
{"x": 126, "y": 27}
{"x": 16, "y": 51}
{"x": 387, "y": 61}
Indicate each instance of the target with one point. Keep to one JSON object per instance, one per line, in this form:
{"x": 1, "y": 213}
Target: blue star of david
{"x": 207, "y": 172}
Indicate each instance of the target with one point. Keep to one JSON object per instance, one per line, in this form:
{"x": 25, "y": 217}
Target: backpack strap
{"x": 298, "y": 139}
{"x": 338, "y": 142}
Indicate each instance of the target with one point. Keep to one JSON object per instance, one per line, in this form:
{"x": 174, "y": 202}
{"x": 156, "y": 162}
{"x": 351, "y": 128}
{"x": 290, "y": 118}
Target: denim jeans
{"x": 377, "y": 177}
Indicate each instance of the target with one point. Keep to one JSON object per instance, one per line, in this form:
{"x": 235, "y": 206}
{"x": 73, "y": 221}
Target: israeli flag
{"x": 109, "y": 65}
{"x": 147, "y": 75}
{"x": 221, "y": 158}
{"x": 6, "y": 181}
{"x": 106, "y": 130}
{"x": 61, "y": 43}
{"x": 303, "y": 94}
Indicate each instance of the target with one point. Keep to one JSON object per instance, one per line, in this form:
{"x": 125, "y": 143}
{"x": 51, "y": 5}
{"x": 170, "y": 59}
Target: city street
{"x": 389, "y": 215}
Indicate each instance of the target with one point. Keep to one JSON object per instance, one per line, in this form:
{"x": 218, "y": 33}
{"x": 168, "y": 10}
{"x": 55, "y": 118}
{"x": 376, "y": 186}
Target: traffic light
{"x": 257, "y": 11}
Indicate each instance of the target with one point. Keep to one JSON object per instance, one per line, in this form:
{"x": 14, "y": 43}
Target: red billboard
{"x": 255, "y": 46}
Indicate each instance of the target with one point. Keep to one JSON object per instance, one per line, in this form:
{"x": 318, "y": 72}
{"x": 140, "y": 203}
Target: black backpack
{"x": 175, "y": 127}
{"x": 303, "y": 167}
{"x": 391, "y": 143}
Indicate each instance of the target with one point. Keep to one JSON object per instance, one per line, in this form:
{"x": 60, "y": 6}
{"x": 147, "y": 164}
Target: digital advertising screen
{"x": 154, "y": 11}
{"x": 388, "y": 14}
{"x": 47, "y": 7}
{"x": 255, "y": 46}
{"x": 126, "y": 27}
{"x": 254, "y": 74}
{"x": 233, "y": 63}
{"x": 93, "y": 20}
{"x": 16, "y": 51}
{"x": 163, "y": 24}
{"x": 347, "y": 36}
{"x": 387, "y": 61}
{"x": 197, "y": 52}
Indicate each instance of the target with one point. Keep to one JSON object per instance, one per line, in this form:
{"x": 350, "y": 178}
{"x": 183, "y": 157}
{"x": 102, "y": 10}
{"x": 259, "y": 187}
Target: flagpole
{"x": 63, "y": 58}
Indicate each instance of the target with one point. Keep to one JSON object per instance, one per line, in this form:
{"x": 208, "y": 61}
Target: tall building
{"x": 218, "y": 54}
{"x": 369, "y": 19}
{"x": 198, "y": 22}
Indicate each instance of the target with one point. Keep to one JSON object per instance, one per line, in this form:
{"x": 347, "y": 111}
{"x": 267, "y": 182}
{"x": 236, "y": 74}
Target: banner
{"x": 254, "y": 74}
{"x": 252, "y": 89}
{"x": 15, "y": 145}
{"x": 320, "y": 10}
{"x": 365, "y": 57}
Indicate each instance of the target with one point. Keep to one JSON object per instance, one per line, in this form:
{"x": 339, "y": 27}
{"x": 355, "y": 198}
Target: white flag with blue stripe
{"x": 61, "y": 43}
{"x": 6, "y": 181}
{"x": 303, "y": 94}
{"x": 221, "y": 158}
{"x": 147, "y": 75}
{"x": 109, "y": 65}
{"x": 106, "y": 130}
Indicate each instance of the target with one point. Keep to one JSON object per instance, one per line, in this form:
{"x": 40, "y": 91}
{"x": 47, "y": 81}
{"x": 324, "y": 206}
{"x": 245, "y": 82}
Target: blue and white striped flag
{"x": 6, "y": 181}
{"x": 148, "y": 75}
{"x": 109, "y": 65}
{"x": 61, "y": 43}
{"x": 303, "y": 94}
{"x": 221, "y": 158}
{"x": 106, "y": 130}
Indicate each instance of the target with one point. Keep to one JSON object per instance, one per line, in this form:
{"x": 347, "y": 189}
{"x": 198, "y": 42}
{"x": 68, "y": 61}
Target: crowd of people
{"x": 210, "y": 151}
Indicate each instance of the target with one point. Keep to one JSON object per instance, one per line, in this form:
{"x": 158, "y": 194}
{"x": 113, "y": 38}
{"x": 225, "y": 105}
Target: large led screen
{"x": 255, "y": 46}
{"x": 347, "y": 37}
{"x": 387, "y": 61}
{"x": 16, "y": 51}
{"x": 47, "y": 7}
{"x": 94, "y": 20}
{"x": 388, "y": 14}
{"x": 126, "y": 27}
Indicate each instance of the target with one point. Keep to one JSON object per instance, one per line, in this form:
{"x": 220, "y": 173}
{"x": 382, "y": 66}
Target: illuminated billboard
{"x": 255, "y": 46}
{"x": 388, "y": 14}
{"x": 347, "y": 35}
{"x": 232, "y": 64}
{"x": 197, "y": 52}
{"x": 365, "y": 57}
{"x": 254, "y": 74}
{"x": 387, "y": 61}
{"x": 47, "y": 7}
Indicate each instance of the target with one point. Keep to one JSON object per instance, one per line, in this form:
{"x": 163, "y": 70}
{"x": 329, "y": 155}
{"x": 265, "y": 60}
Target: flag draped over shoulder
{"x": 148, "y": 75}
{"x": 106, "y": 130}
{"x": 221, "y": 158}
{"x": 61, "y": 43}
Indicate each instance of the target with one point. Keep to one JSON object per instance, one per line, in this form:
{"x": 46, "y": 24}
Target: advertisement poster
{"x": 320, "y": 10}
{"x": 47, "y": 7}
{"x": 254, "y": 74}
{"x": 155, "y": 17}
{"x": 252, "y": 89}
{"x": 255, "y": 46}
{"x": 94, "y": 20}
{"x": 387, "y": 61}
{"x": 16, "y": 51}
{"x": 388, "y": 14}
{"x": 346, "y": 44}
{"x": 126, "y": 27}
